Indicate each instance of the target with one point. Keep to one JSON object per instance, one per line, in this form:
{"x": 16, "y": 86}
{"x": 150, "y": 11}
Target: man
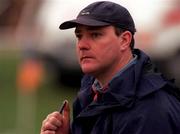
{"x": 121, "y": 93}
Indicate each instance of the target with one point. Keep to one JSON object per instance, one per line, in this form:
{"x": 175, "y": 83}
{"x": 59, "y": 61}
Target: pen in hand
{"x": 62, "y": 107}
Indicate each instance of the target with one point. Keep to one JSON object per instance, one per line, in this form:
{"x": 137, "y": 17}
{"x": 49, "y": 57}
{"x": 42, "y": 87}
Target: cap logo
{"x": 85, "y": 13}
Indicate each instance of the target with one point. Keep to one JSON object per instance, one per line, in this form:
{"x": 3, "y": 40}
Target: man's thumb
{"x": 66, "y": 112}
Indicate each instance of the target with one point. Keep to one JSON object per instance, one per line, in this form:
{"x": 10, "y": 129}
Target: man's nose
{"x": 84, "y": 43}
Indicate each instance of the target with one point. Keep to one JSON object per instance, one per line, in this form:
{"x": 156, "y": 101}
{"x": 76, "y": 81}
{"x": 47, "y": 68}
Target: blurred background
{"x": 38, "y": 66}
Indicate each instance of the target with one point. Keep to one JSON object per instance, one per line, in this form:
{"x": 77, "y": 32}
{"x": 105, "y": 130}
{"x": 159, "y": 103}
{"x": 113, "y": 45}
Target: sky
{"x": 144, "y": 12}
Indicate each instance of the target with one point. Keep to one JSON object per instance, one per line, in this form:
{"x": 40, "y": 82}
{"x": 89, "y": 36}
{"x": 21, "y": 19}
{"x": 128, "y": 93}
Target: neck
{"x": 105, "y": 77}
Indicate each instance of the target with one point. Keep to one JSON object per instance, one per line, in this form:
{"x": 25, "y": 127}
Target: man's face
{"x": 98, "y": 49}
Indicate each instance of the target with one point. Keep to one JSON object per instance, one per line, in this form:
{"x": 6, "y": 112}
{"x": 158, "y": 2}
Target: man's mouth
{"x": 85, "y": 57}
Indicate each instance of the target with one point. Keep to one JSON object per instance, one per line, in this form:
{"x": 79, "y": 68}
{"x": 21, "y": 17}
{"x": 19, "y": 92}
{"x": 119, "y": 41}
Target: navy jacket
{"x": 141, "y": 101}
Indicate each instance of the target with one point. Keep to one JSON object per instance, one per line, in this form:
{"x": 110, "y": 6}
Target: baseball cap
{"x": 103, "y": 13}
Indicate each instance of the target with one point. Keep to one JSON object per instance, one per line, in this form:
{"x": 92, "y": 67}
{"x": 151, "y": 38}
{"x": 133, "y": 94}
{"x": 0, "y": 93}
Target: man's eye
{"x": 78, "y": 36}
{"x": 95, "y": 35}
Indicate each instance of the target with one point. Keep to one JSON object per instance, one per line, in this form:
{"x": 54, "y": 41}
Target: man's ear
{"x": 125, "y": 40}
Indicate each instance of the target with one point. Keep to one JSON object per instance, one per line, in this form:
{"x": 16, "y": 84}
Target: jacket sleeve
{"x": 142, "y": 124}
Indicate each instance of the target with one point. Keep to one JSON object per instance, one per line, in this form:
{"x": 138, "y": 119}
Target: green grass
{"x": 7, "y": 91}
{"x": 34, "y": 107}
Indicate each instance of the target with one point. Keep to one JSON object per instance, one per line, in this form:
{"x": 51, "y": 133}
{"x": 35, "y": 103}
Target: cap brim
{"x": 83, "y": 21}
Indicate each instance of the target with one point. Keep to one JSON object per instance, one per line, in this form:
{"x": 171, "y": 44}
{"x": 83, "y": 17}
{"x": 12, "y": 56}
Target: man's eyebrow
{"x": 76, "y": 31}
{"x": 95, "y": 28}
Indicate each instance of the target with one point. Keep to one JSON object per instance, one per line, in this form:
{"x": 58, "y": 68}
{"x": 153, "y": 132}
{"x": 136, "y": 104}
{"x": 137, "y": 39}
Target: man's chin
{"x": 88, "y": 71}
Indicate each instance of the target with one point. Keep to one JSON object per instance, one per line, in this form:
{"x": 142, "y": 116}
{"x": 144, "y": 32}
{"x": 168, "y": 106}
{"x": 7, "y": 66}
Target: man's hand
{"x": 56, "y": 123}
